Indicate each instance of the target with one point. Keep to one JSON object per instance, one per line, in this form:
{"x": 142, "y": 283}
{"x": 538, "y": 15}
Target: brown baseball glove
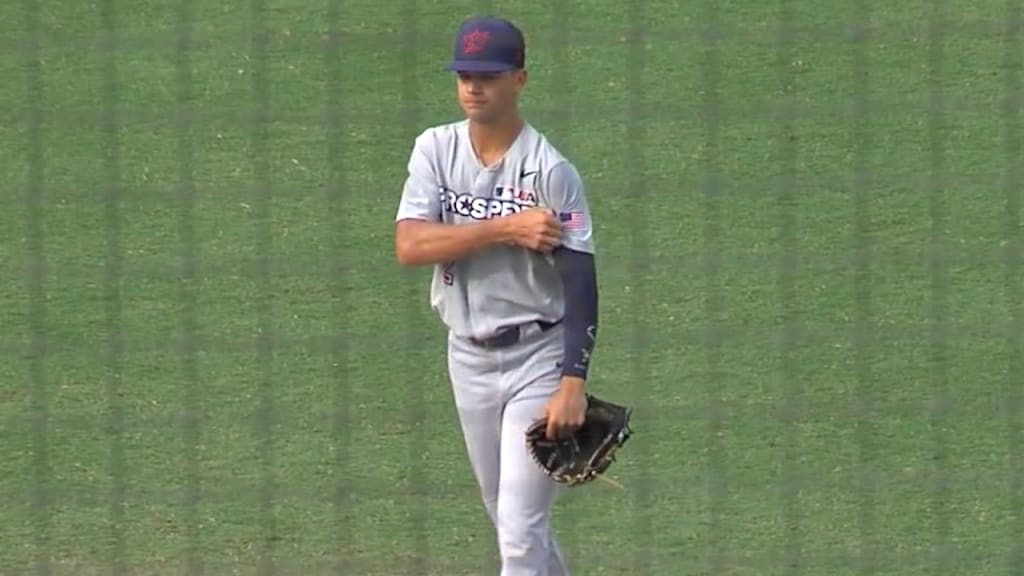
{"x": 582, "y": 456}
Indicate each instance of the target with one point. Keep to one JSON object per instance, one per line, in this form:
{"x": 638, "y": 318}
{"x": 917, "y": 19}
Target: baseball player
{"x": 503, "y": 218}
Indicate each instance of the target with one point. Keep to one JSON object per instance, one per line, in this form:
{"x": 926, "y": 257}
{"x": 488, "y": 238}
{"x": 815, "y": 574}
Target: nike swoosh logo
{"x": 524, "y": 173}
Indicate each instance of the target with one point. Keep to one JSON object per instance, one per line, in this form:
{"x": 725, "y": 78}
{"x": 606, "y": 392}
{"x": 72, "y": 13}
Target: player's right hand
{"x": 536, "y": 229}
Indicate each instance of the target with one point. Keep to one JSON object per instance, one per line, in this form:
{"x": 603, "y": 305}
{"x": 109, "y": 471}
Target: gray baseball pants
{"x": 498, "y": 393}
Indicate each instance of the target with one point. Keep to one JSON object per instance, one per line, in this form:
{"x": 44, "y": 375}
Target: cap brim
{"x": 479, "y": 66}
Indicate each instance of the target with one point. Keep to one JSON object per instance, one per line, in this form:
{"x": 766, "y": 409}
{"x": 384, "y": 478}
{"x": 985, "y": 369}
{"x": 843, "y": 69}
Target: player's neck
{"x": 492, "y": 140}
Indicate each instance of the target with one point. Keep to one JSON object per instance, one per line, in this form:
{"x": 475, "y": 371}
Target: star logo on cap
{"x": 475, "y": 41}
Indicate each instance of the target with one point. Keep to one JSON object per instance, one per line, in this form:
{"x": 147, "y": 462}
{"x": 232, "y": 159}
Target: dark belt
{"x": 508, "y": 336}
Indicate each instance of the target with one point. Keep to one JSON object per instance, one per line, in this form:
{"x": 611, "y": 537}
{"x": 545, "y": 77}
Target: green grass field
{"x": 810, "y": 287}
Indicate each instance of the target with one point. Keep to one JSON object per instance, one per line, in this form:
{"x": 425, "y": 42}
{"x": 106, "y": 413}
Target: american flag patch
{"x": 572, "y": 220}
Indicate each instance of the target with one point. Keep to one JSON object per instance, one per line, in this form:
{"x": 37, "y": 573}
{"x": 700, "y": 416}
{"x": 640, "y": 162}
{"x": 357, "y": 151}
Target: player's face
{"x": 487, "y": 98}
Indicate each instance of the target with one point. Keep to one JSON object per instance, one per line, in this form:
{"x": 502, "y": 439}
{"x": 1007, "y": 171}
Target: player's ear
{"x": 520, "y": 78}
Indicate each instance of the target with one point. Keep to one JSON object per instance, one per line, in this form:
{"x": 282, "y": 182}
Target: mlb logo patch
{"x": 572, "y": 220}
{"x": 517, "y": 195}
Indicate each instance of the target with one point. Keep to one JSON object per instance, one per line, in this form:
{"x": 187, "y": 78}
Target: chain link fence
{"x": 809, "y": 231}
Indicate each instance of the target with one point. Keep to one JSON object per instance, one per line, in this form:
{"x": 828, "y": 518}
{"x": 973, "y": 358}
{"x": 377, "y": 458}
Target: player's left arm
{"x": 576, "y": 266}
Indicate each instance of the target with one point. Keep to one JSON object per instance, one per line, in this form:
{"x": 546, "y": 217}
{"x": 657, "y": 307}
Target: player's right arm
{"x": 422, "y": 238}
{"x": 419, "y": 242}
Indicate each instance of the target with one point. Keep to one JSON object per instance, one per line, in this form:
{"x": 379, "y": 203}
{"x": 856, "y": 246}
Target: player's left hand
{"x": 567, "y": 408}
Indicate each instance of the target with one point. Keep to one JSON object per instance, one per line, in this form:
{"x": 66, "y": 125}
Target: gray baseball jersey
{"x": 505, "y": 285}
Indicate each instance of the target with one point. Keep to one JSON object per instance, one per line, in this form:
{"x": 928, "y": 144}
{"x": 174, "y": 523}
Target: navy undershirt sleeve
{"x": 579, "y": 281}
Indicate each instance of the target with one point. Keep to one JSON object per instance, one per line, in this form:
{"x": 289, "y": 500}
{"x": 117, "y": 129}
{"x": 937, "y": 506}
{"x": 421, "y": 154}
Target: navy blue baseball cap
{"x": 485, "y": 44}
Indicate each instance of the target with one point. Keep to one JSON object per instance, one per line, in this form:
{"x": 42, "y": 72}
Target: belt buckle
{"x": 502, "y": 339}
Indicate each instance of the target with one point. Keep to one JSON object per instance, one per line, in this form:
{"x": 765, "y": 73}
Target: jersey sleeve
{"x": 421, "y": 193}
{"x": 567, "y": 196}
